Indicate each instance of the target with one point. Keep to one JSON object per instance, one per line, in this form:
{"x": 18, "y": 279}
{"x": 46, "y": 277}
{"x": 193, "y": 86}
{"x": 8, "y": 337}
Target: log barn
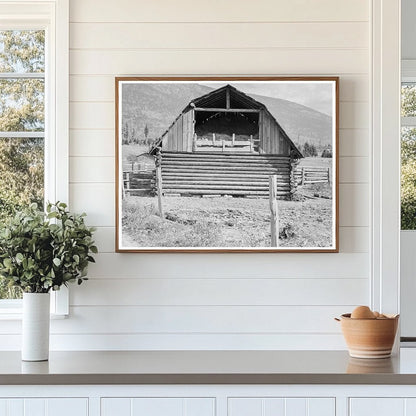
{"x": 226, "y": 143}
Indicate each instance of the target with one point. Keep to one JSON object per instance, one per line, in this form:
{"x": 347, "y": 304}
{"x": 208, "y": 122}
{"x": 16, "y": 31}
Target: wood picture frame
{"x": 227, "y": 164}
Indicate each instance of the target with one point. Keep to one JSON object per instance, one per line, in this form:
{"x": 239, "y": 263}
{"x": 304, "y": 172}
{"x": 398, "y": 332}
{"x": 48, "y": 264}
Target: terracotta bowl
{"x": 369, "y": 338}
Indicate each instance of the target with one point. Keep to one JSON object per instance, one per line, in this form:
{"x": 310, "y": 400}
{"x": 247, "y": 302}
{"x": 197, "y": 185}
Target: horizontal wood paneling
{"x": 92, "y": 115}
{"x": 354, "y": 170}
{"x": 96, "y": 199}
{"x": 194, "y": 319}
{"x": 193, "y": 341}
{"x": 235, "y": 266}
{"x": 354, "y": 208}
{"x": 354, "y": 115}
{"x": 200, "y": 319}
{"x": 221, "y": 62}
{"x": 213, "y": 301}
{"x": 354, "y": 239}
{"x": 92, "y": 169}
{"x": 105, "y": 239}
{"x": 218, "y": 36}
{"x": 354, "y": 142}
{"x": 219, "y": 11}
{"x": 92, "y": 143}
{"x": 218, "y": 291}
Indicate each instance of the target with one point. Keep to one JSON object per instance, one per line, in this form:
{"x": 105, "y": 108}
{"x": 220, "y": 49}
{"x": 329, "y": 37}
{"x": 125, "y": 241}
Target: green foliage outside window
{"x": 21, "y": 110}
{"x": 408, "y": 160}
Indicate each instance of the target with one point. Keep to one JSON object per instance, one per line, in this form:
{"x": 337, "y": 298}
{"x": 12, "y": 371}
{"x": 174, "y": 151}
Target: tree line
{"x": 130, "y": 135}
{"x": 310, "y": 150}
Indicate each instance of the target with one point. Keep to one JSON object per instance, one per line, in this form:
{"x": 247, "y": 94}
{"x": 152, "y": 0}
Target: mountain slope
{"x": 158, "y": 105}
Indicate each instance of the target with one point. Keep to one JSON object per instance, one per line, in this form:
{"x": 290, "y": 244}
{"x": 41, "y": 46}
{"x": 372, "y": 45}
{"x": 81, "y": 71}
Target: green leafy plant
{"x": 43, "y": 251}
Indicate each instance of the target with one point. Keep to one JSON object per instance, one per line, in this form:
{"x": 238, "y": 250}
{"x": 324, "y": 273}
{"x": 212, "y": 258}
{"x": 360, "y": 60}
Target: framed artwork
{"x": 227, "y": 164}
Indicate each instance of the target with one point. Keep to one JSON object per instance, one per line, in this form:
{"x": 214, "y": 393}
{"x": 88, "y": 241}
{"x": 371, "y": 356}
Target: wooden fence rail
{"x": 139, "y": 183}
{"x": 306, "y": 175}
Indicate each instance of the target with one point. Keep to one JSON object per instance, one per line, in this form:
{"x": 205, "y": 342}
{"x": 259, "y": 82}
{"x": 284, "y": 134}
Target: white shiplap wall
{"x": 214, "y": 301}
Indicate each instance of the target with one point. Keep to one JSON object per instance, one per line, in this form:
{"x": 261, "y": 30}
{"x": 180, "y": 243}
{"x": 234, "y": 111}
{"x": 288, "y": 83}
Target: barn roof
{"x": 239, "y": 99}
{"x": 216, "y": 98}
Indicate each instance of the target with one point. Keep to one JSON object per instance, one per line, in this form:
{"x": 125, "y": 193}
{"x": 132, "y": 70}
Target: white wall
{"x": 214, "y": 301}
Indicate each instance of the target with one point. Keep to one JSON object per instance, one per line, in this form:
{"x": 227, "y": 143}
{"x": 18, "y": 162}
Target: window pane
{"x": 22, "y": 105}
{"x": 21, "y": 173}
{"x": 21, "y": 109}
{"x": 408, "y": 99}
{"x": 21, "y": 182}
{"x": 22, "y": 51}
{"x": 408, "y": 178}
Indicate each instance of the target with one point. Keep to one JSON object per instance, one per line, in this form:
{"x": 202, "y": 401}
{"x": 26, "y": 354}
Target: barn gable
{"x": 226, "y": 120}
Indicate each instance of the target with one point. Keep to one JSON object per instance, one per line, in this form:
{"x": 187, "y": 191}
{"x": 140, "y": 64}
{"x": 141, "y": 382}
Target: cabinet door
{"x": 376, "y": 406}
{"x": 160, "y": 406}
{"x": 44, "y": 407}
{"x": 251, "y": 406}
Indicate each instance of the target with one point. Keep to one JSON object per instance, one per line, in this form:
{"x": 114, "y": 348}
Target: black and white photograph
{"x": 227, "y": 164}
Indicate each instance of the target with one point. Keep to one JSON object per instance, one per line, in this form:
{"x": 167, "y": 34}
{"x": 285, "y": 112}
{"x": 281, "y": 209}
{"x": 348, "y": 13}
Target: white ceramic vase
{"x": 35, "y": 326}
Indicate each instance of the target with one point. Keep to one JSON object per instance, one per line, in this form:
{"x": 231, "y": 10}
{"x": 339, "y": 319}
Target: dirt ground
{"x": 225, "y": 222}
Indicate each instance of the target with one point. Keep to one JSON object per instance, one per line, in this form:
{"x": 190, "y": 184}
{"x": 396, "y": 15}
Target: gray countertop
{"x": 207, "y": 367}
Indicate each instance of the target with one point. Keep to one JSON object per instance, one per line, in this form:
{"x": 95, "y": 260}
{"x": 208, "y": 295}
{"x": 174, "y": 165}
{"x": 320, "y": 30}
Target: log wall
{"x": 224, "y": 174}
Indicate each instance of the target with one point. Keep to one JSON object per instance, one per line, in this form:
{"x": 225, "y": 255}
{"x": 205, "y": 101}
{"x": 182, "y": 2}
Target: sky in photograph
{"x": 315, "y": 95}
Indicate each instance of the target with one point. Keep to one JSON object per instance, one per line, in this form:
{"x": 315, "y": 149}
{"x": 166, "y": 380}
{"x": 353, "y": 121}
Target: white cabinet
{"x": 159, "y": 406}
{"x": 208, "y": 400}
{"x": 281, "y": 406}
{"x": 382, "y": 406}
{"x": 44, "y": 407}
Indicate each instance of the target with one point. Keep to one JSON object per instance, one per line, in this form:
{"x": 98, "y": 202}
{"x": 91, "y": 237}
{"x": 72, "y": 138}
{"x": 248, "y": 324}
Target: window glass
{"x": 22, "y": 51}
{"x": 408, "y": 158}
{"x": 22, "y": 105}
{"x": 22, "y": 125}
{"x": 408, "y": 99}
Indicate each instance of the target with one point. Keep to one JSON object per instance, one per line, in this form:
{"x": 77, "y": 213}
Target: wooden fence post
{"x": 213, "y": 139}
{"x": 274, "y": 215}
{"x": 302, "y": 182}
{"x": 194, "y": 143}
{"x": 223, "y": 145}
{"x": 233, "y": 140}
{"x": 329, "y": 177}
{"x": 159, "y": 184}
{"x": 126, "y": 184}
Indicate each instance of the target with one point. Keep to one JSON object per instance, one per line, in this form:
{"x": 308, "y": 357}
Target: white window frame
{"x": 408, "y": 236}
{"x": 408, "y": 75}
{"x": 385, "y": 156}
{"x": 53, "y": 17}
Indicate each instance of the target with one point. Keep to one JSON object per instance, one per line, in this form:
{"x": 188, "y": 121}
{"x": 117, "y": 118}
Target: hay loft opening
{"x": 226, "y": 120}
